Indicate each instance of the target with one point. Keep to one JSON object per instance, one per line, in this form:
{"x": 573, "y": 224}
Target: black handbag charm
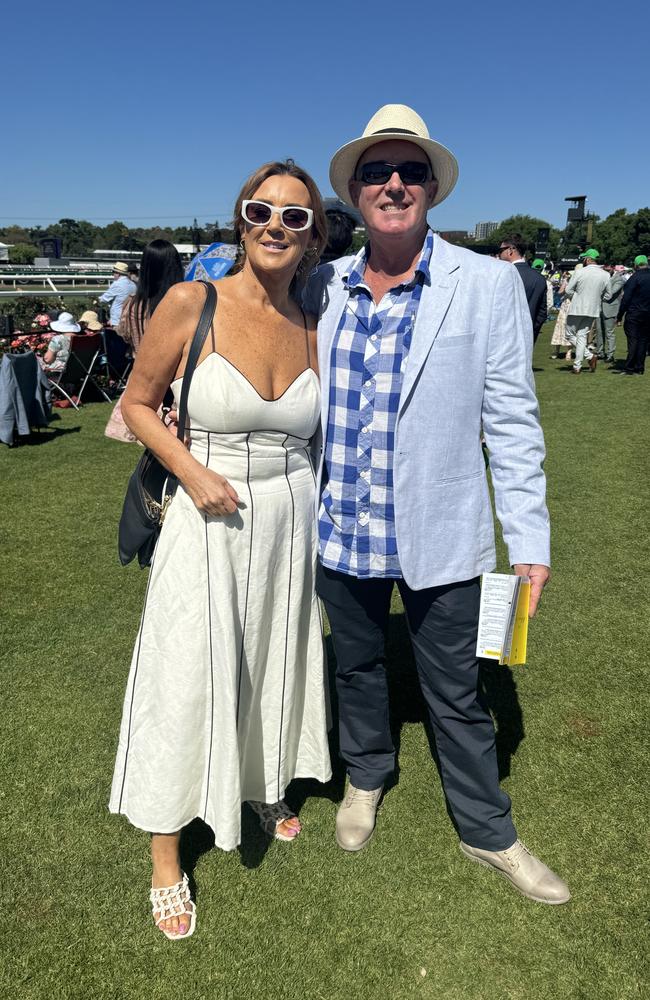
{"x": 151, "y": 487}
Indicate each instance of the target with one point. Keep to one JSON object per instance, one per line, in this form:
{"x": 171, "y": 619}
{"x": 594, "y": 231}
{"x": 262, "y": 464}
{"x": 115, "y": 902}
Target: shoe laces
{"x": 513, "y": 855}
{"x": 360, "y": 795}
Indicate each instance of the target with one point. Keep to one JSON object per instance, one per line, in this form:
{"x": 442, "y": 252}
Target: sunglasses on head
{"x": 411, "y": 172}
{"x": 260, "y": 213}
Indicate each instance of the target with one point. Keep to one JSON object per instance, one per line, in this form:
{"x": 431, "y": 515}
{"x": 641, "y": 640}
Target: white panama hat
{"x": 65, "y": 324}
{"x": 394, "y": 121}
{"x": 120, "y": 267}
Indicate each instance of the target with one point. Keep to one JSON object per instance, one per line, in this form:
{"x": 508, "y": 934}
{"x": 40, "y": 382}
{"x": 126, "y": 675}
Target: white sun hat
{"x": 121, "y": 267}
{"x": 394, "y": 121}
{"x": 65, "y": 324}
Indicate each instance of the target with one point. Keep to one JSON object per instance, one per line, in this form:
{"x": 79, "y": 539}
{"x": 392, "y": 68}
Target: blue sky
{"x": 156, "y": 111}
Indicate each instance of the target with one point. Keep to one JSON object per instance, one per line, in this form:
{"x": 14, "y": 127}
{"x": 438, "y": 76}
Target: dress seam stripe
{"x": 311, "y": 466}
{"x": 255, "y": 430}
{"x": 286, "y": 635}
{"x": 207, "y": 563}
{"x": 135, "y": 677}
{"x": 248, "y": 580}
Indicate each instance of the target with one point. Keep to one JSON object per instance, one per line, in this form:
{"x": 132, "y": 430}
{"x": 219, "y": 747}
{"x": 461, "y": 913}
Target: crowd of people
{"x": 590, "y": 302}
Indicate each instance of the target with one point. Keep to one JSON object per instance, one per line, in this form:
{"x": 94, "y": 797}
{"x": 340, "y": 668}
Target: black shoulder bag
{"x": 151, "y": 487}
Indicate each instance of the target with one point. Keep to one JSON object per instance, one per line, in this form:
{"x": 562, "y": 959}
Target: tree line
{"x": 619, "y": 237}
{"x": 79, "y": 238}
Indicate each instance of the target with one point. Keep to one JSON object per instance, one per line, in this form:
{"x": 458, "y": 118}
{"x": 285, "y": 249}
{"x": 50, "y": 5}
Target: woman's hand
{"x": 210, "y": 493}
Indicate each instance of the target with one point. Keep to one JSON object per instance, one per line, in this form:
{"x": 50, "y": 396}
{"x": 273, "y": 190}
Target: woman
{"x": 161, "y": 268}
{"x": 89, "y": 322}
{"x": 225, "y": 700}
{"x": 56, "y": 357}
{"x": 558, "y": 340}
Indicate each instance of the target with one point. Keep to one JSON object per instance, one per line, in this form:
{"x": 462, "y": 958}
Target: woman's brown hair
{"x": 319, "y": 227}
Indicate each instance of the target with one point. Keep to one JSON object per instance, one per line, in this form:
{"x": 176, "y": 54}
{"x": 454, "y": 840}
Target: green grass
{"x": 408, "y": 917}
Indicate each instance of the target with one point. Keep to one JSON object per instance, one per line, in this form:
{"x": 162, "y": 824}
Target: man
{"x": 606, "y": 325}
{"x": 116, "y": 293}
{"x": 585, "y": 289}
{"x": 421, "y": 343}
{"x": 538, "y": 265}
{"x": 635, "y": 307}
{"x": 340, "y": 229}
{"x": 512, "y": 249}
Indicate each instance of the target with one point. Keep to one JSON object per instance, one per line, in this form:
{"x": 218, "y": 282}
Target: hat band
{"x": 404, "y": 131}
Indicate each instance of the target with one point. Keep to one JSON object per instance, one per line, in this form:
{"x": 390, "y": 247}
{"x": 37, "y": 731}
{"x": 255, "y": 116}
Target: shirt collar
{"x": 353, "y": 276}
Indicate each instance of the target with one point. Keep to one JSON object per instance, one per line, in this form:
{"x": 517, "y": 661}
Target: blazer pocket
{"x": 458, "y": 479}
{"x": 461, "y": 340}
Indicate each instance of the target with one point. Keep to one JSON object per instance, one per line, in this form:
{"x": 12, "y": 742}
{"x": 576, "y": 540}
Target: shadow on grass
{"x": 42, "y": 437}
{"x": 496, "y": 686}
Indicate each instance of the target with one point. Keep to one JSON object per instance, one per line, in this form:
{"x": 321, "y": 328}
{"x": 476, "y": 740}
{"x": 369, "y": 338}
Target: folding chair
{"x": 82, "y": 366}
{"x": 117, "y": 360}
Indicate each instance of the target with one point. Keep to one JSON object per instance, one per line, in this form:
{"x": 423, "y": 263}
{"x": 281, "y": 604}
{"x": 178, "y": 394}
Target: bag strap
{"x": 204, "y": 324}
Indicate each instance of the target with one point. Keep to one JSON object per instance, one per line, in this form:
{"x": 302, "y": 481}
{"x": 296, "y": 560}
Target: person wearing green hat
{"x": 538, "y": 264}
{"x": 635, "y": 307}
{"x": 586, "y": 290}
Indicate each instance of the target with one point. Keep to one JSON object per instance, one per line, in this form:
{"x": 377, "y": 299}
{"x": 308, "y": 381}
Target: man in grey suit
{"x": 606, "y": 325}
{"x": 420, "y": 345}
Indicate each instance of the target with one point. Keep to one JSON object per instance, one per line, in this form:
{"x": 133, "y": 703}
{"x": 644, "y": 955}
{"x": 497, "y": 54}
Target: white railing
{"x": 71, "y": 278}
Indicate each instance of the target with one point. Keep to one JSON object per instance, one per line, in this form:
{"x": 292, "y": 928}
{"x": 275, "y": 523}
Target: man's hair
{"x": 340, "y": 226}
{"x": 517, "y": 242}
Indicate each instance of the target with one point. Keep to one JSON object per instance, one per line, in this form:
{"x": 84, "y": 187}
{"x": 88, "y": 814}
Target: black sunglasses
{"x": 411, "y": 172}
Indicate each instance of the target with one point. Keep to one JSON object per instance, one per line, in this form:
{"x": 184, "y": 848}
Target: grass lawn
{"x": 409, "y": 916}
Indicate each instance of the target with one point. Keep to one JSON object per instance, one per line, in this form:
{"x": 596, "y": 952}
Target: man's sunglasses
{"x": 411, "y": 172}
{"x": 293, "y": 217}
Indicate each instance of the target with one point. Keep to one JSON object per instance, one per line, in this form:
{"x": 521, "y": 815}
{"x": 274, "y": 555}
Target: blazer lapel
{"x": 433, "y": 307}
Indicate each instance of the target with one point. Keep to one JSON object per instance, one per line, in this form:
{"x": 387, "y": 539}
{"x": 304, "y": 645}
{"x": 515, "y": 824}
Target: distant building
{"x": 483, "y": 230}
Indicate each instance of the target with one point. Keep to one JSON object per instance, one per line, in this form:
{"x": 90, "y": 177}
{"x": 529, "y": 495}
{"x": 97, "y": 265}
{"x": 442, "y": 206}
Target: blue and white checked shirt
{"x": 357, "y": 516}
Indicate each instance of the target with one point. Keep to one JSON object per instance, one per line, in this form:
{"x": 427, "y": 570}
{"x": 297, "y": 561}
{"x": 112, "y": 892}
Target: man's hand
{"x": 539, "y": 577}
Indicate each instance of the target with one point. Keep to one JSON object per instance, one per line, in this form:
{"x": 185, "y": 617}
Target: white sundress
{"x": 226, "y": 696}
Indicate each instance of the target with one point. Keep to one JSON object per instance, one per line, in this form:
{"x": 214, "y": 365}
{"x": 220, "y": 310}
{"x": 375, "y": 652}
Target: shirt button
{"x": 368, "y": 382}
{"x": 364, "y": 473}
{"x": 365, "y": 430}
{"x": 373, "y": 337}
{"x": 363, "y": 517}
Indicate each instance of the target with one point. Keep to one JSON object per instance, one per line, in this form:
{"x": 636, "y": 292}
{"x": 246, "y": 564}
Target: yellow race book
{"x": 503, "y": 618}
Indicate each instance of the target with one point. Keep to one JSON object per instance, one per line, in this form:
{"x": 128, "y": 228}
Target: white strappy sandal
{"x": 173, "y": 901}
{"x": 271, "y": 814}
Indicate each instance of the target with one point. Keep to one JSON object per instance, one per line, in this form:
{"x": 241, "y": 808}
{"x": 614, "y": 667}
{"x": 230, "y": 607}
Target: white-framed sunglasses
{"x": 293, "y": 217}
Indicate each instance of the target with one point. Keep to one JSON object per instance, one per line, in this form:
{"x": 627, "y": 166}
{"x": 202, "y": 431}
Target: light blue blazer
{"x": 469, "y": 366}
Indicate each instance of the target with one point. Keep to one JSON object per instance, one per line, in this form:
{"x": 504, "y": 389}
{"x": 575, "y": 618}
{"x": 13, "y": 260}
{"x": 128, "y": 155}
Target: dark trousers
{"x": 637, "y": 332}
{"x": 442, "y": 623}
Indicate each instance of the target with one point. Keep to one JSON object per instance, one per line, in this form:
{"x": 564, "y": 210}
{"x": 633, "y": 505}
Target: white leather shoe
{"x": 355, "y": 820}
{"x": 526, "y": 872}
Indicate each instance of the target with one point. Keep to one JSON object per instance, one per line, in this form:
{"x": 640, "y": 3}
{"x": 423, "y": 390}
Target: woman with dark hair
{"x": 225, "y": 702}
{"x": 161, "y": 268}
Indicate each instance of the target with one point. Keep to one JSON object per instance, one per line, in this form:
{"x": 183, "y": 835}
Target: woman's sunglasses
{"x": 293, "y": 217}
{"x": 411, "y": 172}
